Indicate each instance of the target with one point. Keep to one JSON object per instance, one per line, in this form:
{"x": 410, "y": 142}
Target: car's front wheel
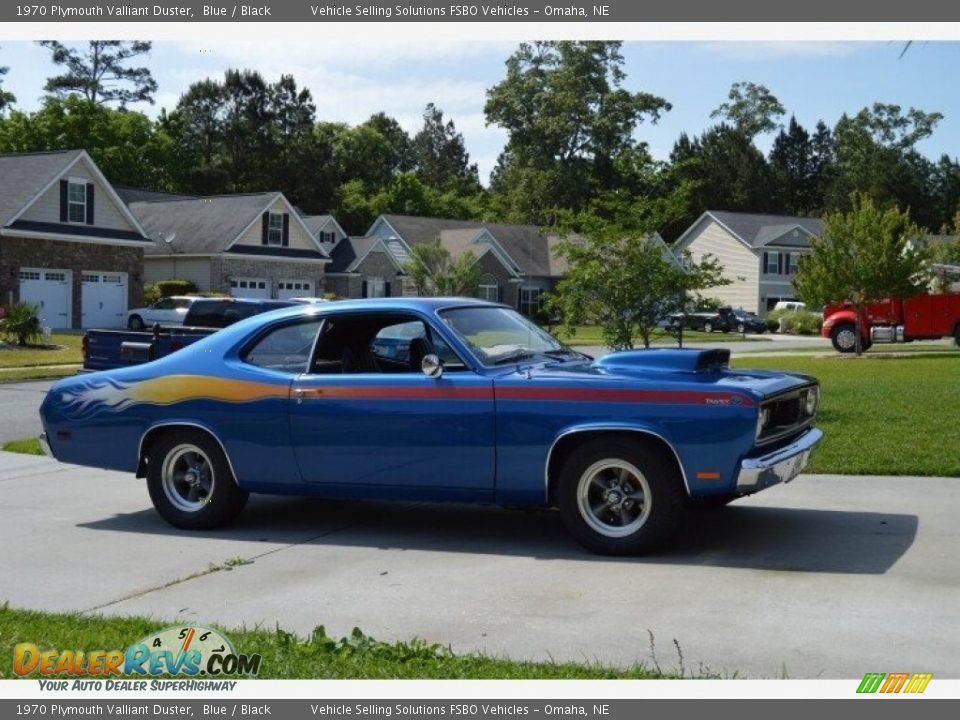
{"x": 708, "y": 326}
{"x": 135, "y": 323}
{"x": 190, "y": 481}
{"x": 620, "y": 497}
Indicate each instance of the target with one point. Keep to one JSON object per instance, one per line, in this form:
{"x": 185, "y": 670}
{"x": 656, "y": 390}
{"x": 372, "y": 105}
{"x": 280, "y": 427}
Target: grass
{"x": 287, "y": 656}
{"x": 64, "y": 349}
{"x": 592, "y": 335}
{"x": 29, "y": 446}
{"x": 882, "y": 415}
{"x": 60, "y": 358}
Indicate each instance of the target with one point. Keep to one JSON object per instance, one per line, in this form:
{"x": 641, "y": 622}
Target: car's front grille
{"x": 785, "y": 414}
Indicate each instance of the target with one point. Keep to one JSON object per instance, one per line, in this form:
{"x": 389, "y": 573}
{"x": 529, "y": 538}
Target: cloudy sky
{"x": 352, "y": 77}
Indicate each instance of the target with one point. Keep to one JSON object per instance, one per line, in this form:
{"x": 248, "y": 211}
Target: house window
{"x": 376, "y": 287}
{"x": 530, "y": 301}
{"x": 275, "y": 229}
{"x": 793, "y": 260}
{"x": 77, "y": 201}
{"x": 772, "y": 263}
{"x": 489, "y": 288}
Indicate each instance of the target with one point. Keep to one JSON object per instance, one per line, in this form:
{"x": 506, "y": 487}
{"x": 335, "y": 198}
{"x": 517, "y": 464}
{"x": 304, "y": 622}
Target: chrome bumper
{"x": 780, "y": 466}
{"x": 45, "y": 445}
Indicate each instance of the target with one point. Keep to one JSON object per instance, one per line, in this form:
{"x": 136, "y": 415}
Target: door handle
{"x": 298, "y": 394}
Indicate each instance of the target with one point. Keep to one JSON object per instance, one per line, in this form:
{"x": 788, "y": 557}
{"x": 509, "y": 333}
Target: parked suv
{"x": 166, "y": 311}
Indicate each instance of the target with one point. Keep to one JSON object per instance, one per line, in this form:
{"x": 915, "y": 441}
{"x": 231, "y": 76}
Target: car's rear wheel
{"x": 741, "y": 328}
{"x": 190, "y": 481}
{"x": 135, "y": 323}
{"x": 620, "y": 497}
{"x": 844, "y": 338}
{"x": 708, "y": 326}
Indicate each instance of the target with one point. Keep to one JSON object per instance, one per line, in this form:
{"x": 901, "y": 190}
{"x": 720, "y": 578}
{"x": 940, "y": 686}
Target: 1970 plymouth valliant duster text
{"x": 437, "y": 399}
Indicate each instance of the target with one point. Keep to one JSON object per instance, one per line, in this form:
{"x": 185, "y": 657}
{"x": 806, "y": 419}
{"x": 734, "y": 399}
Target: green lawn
{"x": 28, "y": 446}
{"x": 593, "y": 336}
{"x": 882, "y": 415}
{"x": 63, "y": 349}
{"x": 287, "y": 656}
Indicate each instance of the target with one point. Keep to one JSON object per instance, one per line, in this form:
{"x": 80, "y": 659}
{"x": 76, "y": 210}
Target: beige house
{"x": 759, "y": 254}
{"x": 68, "y": 243}
{"x": 246, "y": 245}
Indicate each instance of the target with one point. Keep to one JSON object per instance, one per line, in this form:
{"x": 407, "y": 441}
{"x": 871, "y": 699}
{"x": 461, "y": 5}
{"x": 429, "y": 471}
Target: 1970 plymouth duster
{"x": 437, "y": 399}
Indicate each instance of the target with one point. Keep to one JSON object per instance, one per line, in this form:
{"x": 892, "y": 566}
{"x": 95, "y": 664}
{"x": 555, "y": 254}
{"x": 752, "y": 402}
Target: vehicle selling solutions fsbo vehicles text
{"x": 388, "y": 11}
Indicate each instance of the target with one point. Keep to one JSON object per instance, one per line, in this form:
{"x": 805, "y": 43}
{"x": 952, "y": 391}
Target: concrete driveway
{"x": 827, "y": 577}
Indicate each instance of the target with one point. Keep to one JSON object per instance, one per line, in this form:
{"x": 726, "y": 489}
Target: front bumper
{"x": 780, "y": 466}
{"x": 45, "y": 445}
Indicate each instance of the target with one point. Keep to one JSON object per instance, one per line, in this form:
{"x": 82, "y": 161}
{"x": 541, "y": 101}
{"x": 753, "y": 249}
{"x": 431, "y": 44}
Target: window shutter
{"x": 363, "y": 289}
{"x": 780, "y": 264}
{"x": 265, "y": 225}
{"x": 499, "y": 293}
{"x": 386, "y": 290}
{"x": 766, "y": 261}
{"x": 89, "y": 203}
{"x": 286, "y": 230}
{"x": 63, "y": 200}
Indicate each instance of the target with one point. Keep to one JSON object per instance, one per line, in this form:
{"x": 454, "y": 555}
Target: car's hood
{"x": 661, "y": 366}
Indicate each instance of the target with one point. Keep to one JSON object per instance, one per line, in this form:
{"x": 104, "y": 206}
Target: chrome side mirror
{"x": 431, "y": 366}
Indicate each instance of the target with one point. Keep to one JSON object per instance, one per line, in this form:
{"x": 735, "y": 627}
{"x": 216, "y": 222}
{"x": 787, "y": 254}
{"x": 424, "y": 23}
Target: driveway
{"x": 21, "y": 402}
{"x": 827, "y": 577}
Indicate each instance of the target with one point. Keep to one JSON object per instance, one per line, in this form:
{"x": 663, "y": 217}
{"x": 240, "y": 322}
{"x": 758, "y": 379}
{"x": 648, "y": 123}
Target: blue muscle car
{"x": 437, "y": 399}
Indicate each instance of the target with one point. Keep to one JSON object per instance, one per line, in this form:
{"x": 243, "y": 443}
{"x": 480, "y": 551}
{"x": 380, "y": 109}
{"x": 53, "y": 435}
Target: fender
{"x": 610, "y": 427}
{"x": 141, "y": 469}
{"x": 838, "y": 318}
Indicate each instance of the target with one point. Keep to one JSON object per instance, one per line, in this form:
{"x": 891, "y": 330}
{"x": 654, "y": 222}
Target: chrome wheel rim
{"x": 707, "y": 327}
{"x": 614, "y": 498}
{"x": 187, "y": 478}
{"x": 847, "y": 339}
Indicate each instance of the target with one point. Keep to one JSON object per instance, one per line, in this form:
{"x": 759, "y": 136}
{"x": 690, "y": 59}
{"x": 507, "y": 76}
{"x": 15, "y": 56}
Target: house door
{"x": 50, "y": 291}
{"x": 103, "y": 299}
{"x": 294, "y": 288}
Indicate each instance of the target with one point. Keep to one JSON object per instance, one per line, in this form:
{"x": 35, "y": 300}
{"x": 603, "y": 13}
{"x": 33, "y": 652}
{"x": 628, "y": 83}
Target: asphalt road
{"x": 827, "y": 577}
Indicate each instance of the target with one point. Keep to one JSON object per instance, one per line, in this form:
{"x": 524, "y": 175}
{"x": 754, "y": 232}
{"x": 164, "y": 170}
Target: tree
{"x": 625, "y": 281}
{"x": 752, "y": 109}
{"x": 400, "y": 150}
{"x": 794, "y": 168}
{"x": 441, "y": 157}
{"x": 22, "y": 324}
{"x": 568, "y": 119}
{"x": 435, "y": 272}
{"x": 100, "y": 74}
{"x": 6, "y": 98}
{"x": 864, "y": 255}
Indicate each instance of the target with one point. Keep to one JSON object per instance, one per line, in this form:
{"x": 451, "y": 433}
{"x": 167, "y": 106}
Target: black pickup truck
{"x": 108, "y": 349}
{"x": 725, "y": 319}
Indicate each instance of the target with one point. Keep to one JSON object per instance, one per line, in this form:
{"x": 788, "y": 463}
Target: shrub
{"x": 151, "y": 293}
{"x": 22, "y": 324}
{"x": 166, "y": 288}
{"x": 795, "y": 322}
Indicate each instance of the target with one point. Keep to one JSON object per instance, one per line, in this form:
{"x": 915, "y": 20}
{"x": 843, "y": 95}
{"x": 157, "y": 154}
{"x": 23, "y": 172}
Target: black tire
{"x": 844, "y": 338}
{"x": 741, "y": 328}
{"x": 956, "y": 335}
{"x": 190, "y": 482}
{"x": 135, "y": 323}
{"x": 708, "y": 326}
{"x": 620, "y": 497}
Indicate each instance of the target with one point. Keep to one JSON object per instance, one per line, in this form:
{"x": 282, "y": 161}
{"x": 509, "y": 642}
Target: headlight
{"x": 812, "y": 401}
{"x": 763, "y": 419}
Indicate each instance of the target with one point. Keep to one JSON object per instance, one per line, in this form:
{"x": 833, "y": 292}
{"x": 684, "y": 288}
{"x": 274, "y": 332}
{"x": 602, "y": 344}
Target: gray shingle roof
{"x": 525, "y": 244}
{"x": 348, "y": 252}
{"x": 23, "y": 176}
{"x": 131, "y": 195}
{"x": 315, "y": 222}
{"x": 759, "y": 230}
{"x": 202, "y": 225}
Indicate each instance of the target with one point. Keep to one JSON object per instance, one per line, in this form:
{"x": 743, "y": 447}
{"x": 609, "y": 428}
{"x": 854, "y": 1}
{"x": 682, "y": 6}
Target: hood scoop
{"x": 691, "y": 361}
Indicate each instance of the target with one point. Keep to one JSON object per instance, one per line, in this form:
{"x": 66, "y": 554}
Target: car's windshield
{"x": 500, "y": 335}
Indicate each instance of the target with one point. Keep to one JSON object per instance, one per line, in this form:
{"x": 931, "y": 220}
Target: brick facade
{"x": 17, "y": 253}
{"x": 222, "y": 269}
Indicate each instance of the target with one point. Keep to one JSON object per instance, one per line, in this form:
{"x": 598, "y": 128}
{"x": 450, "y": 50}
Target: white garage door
{"x": 250, "y": 287}
{"x": 49, "y": 290}
{"x": 294, "y": 288}
{"x": 103, "y": 299}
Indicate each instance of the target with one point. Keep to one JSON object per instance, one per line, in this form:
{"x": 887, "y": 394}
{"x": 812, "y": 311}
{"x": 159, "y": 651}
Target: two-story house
{"x": 759, "y": 254}
{"x": 68, "y": 243}
{"x": 244, "y": 245}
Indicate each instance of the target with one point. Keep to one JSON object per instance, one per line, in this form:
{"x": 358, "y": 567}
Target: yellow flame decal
{"x": 178, "y": 388}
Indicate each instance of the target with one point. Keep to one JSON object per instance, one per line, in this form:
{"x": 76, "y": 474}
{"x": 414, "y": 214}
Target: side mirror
{"x": 431, "y": 366}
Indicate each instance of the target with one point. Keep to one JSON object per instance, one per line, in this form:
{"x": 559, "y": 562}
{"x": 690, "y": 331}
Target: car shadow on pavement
{"x": 769, "y": 538}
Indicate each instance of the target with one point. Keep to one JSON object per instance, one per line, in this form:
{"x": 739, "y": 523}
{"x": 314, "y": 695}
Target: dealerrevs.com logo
{"x": 190, "y": 651}
{"x": 892, "y": 683}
